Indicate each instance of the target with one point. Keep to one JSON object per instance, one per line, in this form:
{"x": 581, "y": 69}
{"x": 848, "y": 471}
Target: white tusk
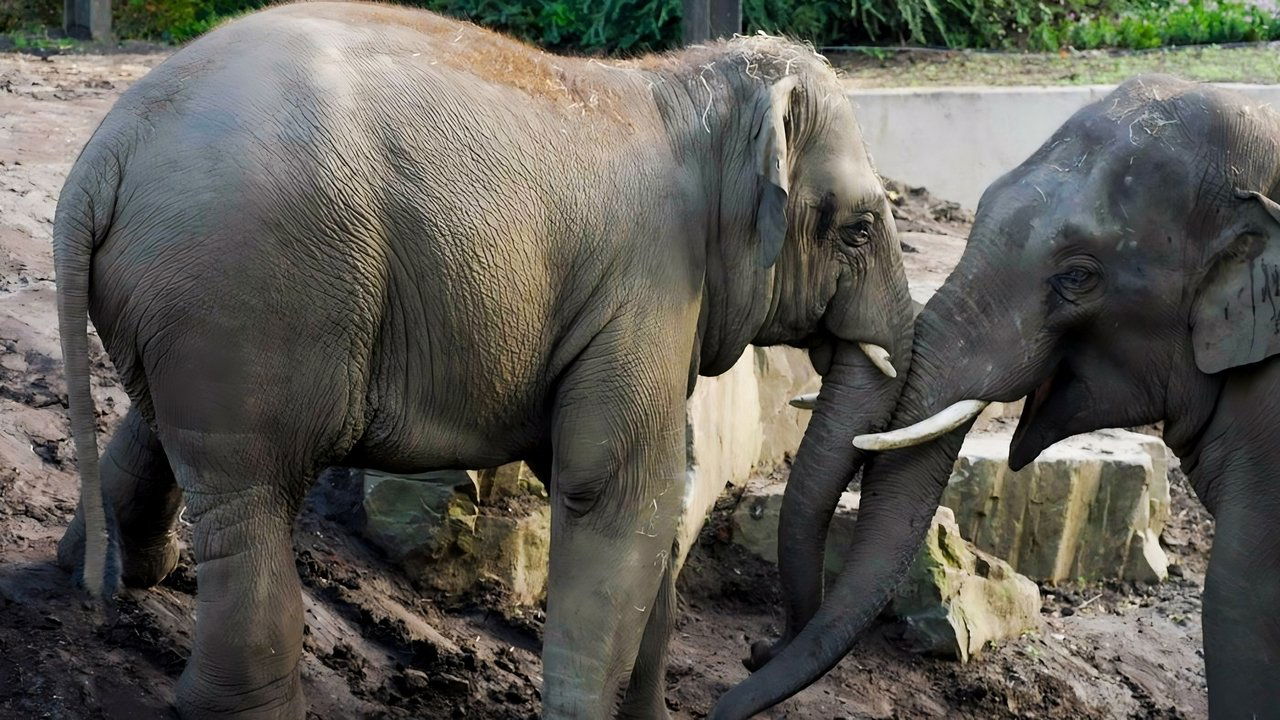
{"x": 925, "y": 430}
{"x": 879, "y": 357}
{"x": 805, "y": 402}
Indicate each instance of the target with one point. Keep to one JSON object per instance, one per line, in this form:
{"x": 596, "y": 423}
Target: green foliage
{"x": 1001, "y": 24}
{"x": 174, "y": 20}
{"x": 1155, "y": 24}
{"x": 627, "y": 27}
{"x": 821, "y": 22}
{"x": 586, "y": 26}
{"x": 40, "y": 40}
{"x": 29, "y": 16}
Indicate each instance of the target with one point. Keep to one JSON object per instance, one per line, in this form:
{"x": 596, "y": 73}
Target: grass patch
{"x": 1258, "y": 63}
{"x": 38, "y": 41}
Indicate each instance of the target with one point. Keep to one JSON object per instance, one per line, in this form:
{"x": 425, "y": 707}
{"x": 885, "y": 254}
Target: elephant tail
{"x": 85, "y": 210}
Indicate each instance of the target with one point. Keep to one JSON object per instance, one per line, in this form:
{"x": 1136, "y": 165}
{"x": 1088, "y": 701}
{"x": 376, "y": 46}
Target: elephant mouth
{"x": 1046, "y": 407}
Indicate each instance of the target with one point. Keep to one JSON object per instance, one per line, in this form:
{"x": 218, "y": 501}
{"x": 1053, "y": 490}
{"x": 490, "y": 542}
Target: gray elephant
{"x": 363, "y": 235}
{"x": 1127, "y": 273}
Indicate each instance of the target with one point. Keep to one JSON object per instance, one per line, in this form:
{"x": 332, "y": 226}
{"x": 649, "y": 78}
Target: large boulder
{"x": 1091, "y": 507}
{"x": 755, "y": 523}
{"x": 955, "y": 600}
{"x": 433, "y": 527}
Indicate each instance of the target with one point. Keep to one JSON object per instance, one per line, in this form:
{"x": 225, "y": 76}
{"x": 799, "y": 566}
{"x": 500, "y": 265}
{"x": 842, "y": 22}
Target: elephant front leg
{"x": 646, "y": 697}
{"x": 1241, "y": 596}
{"x": 616, "y": 493}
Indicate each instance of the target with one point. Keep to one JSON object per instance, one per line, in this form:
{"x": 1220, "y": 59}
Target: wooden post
{"x": 707, "y": 19}
{"x": 726, "y": 18}
{"x": 697, "y": 21}
{"x": 87, "y": 19}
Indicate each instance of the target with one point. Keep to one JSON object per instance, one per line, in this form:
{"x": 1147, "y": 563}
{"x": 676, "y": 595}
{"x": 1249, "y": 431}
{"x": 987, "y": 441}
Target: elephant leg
{"x": 1242, "y": 591}
{"x": 242, "y": 498}
{"x": 616, "y": 494}
{"x": 646, "y": 693}
{"x": 143, "y": 499}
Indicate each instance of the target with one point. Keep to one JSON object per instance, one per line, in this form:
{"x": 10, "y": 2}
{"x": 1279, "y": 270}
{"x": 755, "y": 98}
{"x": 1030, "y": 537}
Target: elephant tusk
{"x": 879, "y": 357}
{"x": 925, "y": 430}
{"x": 805, "y": 402}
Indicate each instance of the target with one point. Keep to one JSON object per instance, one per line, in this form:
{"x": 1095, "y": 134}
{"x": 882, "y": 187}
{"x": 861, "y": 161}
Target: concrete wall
{"x": 739, "y": 424}
{"x": 956, "y": 141}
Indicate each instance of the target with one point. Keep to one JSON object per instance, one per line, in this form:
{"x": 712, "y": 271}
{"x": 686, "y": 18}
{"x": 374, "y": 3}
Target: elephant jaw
{"x": 1046, "y": 416}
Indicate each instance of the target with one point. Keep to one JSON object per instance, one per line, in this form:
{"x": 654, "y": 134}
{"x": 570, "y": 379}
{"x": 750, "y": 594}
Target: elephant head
{"x": 1118, "y": 277}
{"x": 835, "y": 284}
{"x": 804, "y": 251}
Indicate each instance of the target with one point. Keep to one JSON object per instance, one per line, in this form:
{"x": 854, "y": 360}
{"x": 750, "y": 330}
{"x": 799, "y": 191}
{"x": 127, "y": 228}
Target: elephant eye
{"x": 1074, "y": 280}
{"x": 856, "y": 233}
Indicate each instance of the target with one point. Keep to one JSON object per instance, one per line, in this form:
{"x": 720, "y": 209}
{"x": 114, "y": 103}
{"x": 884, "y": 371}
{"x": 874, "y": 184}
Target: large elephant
{"x": 1127, "y": 273}
{"x": 363, "y": 235}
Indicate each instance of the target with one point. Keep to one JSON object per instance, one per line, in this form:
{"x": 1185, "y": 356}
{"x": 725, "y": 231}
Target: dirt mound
{"x": 377, "y": 647}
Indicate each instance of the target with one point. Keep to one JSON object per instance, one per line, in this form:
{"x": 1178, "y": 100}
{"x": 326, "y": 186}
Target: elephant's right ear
{"x": 1236, "y": 317}
{"x": 773, "y": 164}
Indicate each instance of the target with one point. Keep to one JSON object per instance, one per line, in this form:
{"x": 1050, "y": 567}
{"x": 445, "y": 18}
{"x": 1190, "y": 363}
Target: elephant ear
{"x": 1236, "y": 317}
{"x": 774, "y": 167}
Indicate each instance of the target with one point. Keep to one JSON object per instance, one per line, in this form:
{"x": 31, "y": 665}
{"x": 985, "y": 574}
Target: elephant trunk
{"x": 856, "y": 395}
{"x": 900, "y": 493}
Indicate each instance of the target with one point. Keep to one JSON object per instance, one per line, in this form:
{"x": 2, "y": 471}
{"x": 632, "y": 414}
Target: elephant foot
{"x": 71, "y": 557}
{"x": 71, "y": 547}
{"x": 762, "y": 651}
{"x": 146, "y": 565}
{"x": 198, "y": 699}
{"x": 655, "y": 713}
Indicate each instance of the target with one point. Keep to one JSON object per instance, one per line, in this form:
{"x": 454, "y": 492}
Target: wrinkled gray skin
{"x": 368, "y": 236}
{"x": 1127, "y": 273}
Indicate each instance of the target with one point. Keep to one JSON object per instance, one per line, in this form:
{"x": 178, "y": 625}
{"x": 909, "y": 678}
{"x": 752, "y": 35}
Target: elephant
{"x": 350, "y": 234}
{"x": 1125, "y": 274}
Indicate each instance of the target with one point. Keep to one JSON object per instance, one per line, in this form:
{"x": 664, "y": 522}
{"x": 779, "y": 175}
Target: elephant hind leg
{"x": 646, "y": 692}
{"x": 242, "y": 494}
{"x": 143, "y": 500}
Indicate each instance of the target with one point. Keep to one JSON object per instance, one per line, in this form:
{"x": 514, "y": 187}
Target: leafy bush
{"x": 173, "y": 20}
{"x": 626, "y": 27}
{"x": 1155, "y": 24}
{"x": 618, "y": 26}
{"x": 29, "y": 15}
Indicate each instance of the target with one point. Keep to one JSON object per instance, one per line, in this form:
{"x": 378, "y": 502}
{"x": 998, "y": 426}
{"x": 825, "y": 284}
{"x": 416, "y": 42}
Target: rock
{"x": 443, "y": 540}
{"x": 958, "y": 599}
{"x": 415, "y": 680}
{"x": 755, "y": 523}
{"x": 510, "y": 480}
{"x": 955, "y": 600}
{"x": 998, "y": 416}
{"x": 408, "y": 515}
{"x": 1091, "y": 507}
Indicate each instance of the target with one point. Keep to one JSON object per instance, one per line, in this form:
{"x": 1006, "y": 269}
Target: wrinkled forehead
{"x": 834, "y": 155}
{"x": 1106, "y": 176}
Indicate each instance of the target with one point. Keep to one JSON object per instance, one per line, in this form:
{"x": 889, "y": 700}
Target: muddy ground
{"x": 376, "y": 647}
